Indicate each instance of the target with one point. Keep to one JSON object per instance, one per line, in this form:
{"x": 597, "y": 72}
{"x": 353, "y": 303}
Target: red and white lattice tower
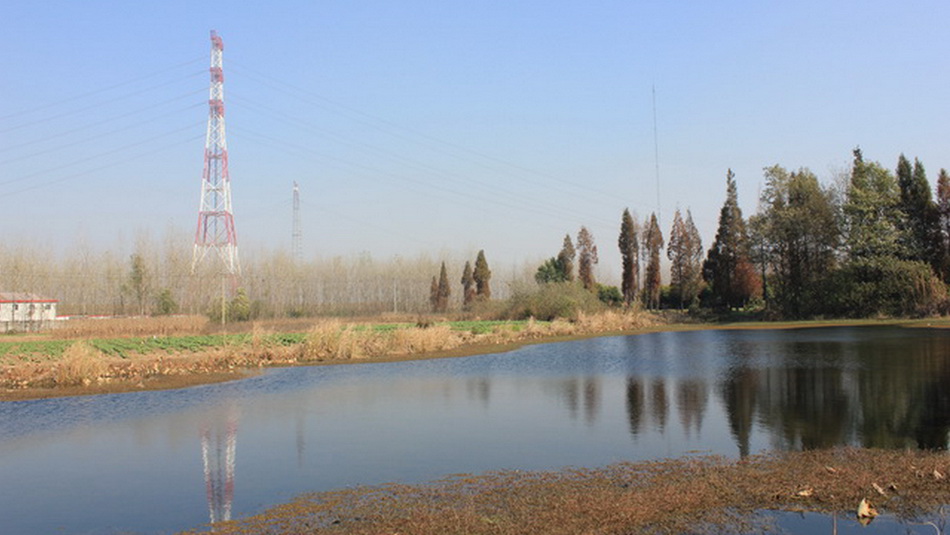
{"x": 218, "y": 450}
{"x": 215, "y": 232}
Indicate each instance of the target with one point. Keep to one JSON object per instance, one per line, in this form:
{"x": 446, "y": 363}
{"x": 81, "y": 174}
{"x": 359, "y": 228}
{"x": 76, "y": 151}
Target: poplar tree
{"x": 434, "y": 294}
{"x": 652, "y": 243}
{"x": 468, "y": 285}
{"x": 482, "y": 276}
{"x": 586, "y": 258}
{"x": 630, "y": 256}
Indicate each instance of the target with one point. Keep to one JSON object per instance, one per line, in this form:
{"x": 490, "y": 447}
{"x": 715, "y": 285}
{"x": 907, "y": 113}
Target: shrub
{"x": 609, "y": 295}
{"x": 554, "y": 300}
{"x": 884, "y": 287}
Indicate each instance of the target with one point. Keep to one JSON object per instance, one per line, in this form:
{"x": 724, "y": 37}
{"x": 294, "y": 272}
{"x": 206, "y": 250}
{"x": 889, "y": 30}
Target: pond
{"x": 157, "y": 462}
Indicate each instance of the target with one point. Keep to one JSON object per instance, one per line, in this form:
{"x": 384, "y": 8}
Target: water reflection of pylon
{"x": 217, "y": 453}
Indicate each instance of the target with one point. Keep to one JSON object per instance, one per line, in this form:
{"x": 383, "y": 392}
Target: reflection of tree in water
{"x": 878, "y": 391}
{"x": 660, "y": 406}
{"x": 691, "y": 399}
{"x": 580, "y": 394}
{"x": 635, "y": 402}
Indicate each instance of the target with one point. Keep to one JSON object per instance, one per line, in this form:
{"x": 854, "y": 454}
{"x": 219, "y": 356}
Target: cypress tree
{"x": 586, "y": 258}
{"x": 630, "y": 256}
{"x": 482, "y": 276}
{"x": 727, "y": 268}
{"x": 565, "y": 259}
{"x": 443, "y": 290}
{"x": 468, "y": 285}
{"x": 434, "y": 294}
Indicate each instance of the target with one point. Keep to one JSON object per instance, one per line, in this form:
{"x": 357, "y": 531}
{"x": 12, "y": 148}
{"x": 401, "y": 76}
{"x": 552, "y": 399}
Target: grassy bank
{"x": 75, "y": 361}
{"x": 688, "y": 495}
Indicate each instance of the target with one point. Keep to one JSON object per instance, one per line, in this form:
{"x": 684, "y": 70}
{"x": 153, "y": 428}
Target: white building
{"x": 25, "y": 312}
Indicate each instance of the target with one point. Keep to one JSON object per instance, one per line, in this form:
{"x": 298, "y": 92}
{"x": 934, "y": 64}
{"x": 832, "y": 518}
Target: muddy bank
{"x": 687, "y": 495}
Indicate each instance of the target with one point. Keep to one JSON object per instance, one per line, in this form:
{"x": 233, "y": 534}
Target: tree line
{"x": 875, "y": 243}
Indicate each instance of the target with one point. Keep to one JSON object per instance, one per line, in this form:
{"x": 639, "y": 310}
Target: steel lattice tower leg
{"x": 215, "y": 230}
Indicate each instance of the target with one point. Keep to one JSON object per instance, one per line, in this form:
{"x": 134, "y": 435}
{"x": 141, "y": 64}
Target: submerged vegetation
{"x": 688, "y": 495}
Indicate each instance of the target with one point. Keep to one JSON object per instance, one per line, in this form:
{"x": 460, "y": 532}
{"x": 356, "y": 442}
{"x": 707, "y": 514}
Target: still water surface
{"x": 157, "y": 462}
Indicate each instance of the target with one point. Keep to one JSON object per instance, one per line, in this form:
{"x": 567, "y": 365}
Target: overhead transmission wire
{"x": 441, "y": 173}
{"x": 67, "y": 100}
{"x": 106, "y": 166}
{"x": 47, "y": 137}
{"x": 375, "y": 122}
{"x": 282, "y": 145}
{"x": 110, "y": 101}
{"x": 98, "y": 136}
{"x": 90, "y": 158}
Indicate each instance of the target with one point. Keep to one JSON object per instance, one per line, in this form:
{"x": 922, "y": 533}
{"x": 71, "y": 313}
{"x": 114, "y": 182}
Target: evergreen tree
{"x": 630, "y": 256}
{"x": 586, "y": 259}
{"x": 444, "y": 290}
{"x": 727, "y": 268}
{"x": 922, "y": 241}
{"x": 482, "y": 276}
{"x": 434, "y": 294}
{"x": 652, "y": 243}
{"x": 550, "y": 271}
{"x": 468, "y": 285}
{"x": 565, "y": 259}
{"x": 139, "y": 283}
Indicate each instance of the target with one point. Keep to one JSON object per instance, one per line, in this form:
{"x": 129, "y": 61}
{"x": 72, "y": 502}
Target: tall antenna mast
{"x": 656, "y": 160}
{"x": 297, "y": 233}
{"x": 215, "y": 230}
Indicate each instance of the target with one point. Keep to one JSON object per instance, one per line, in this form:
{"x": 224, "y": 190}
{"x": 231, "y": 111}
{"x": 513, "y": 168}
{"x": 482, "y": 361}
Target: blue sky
{"x": 449, "y": 126}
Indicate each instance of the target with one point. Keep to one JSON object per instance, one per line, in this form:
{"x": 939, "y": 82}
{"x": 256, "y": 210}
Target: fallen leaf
{"x": 937, "y": 475}
{"x": 866, "y": 510}
{"x": 831, "y": 470}
{"x": 878, "y": 489}
{"x": 805, "y": 493}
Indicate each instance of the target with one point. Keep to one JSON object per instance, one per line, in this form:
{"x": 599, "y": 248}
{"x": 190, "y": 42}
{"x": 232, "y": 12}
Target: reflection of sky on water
{"x": 138, "y": 461}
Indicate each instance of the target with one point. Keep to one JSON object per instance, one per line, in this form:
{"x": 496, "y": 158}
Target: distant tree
{"x": 586, "y": 258}
{"x": 550, "y": 271}
{"x": 482, "y": 276}
{"x": 685, "y": 251}
{"x": 239, "y": 309}
{"x": 165, "y": 304}
{"x": 630, "y": 258}
{"x": 943, "y": 222}
{"x": 799, "y": 227}
{"x": 139, "y": 283}
{"x": 652, "y": 243}
{"x": 565, "y": 259}
{"x": 727, "y": 268}
{"x": 468, "y": 285}
{"x": 609, "y": 295}
{"x": 873, "y": 219}
{"x": 443, "y": 290}
{"x": 434, "y": 294}
{"x": 922, "y": 241}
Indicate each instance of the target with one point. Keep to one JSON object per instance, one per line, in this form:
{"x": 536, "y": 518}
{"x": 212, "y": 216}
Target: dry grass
{"x": 688, "y": 495}
{"x": 80, "y": 365}
{"x": 325, "y": 341}
{"x": 138, "y": 326}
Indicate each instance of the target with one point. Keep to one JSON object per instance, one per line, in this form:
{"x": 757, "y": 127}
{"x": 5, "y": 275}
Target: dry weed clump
{"x": 138, "y": 326}
{"x": 415, "y": 340}
{"x": 687, "y": 495}
{"x": 81, "y": 364}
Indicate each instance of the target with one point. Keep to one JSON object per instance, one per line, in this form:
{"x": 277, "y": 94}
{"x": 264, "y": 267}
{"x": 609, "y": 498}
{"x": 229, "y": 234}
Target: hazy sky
{"x": 449, "y": 126}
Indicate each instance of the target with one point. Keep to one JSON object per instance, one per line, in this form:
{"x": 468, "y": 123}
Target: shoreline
{"x": 210, "y": 366}
{"x": 688, "y": 494}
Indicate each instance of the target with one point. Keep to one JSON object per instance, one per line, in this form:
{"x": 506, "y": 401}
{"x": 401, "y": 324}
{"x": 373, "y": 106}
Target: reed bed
{"x": 133, "y": 326}
{"x": 686, "y": 495}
